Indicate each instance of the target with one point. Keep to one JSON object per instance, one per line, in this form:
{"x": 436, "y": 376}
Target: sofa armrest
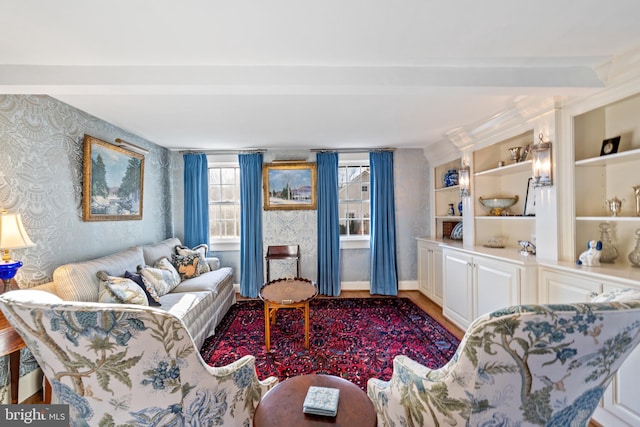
{"x": 214, "y": 263}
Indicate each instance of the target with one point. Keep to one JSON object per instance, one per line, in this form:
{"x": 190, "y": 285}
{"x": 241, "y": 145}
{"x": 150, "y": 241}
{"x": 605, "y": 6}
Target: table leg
{"x": 14, "y": 372}
{"x": 267, "y": 324}
{"x": 306, "y": 325}
{"x": 46, "y": 393}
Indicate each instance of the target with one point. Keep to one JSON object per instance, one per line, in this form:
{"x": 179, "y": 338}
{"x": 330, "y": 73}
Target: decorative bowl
{"x": 498, "y": 204}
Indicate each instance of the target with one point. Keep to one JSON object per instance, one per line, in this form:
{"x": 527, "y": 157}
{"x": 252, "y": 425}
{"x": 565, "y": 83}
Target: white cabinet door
{"x": 557, "y": 287}
{"x": 497, "y": 285}
{"x": 424, "y": 271}
{"x": 458, "y": 280}
{"x": 438, "y": 275}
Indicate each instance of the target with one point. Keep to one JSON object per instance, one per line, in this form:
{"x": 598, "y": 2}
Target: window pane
{"x": 214, "y": 176}
{"x": 343, "y": 228}
{"x": 228, "y": 175}
{"x": 214, "y": 193}
{"x": 214, "y": 228}
{"x": 227, "y": 193}
{"x": 353, "y": 199}
{"x": 224, "y": 199}
{"x": 227, "y": 212}
{"x": 353, "y": 173}
{"x": 365, "y": 174}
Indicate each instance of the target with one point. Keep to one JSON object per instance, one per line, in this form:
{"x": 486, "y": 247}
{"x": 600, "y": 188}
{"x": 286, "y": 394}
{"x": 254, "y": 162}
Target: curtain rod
{"x": 313, "y": 150}
{"x": 350, "y": 150}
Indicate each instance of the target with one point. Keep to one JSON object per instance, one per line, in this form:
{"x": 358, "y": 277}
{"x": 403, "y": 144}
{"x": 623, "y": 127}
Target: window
{"x": 353, "y": 198}
{"x": 224, "y": 202}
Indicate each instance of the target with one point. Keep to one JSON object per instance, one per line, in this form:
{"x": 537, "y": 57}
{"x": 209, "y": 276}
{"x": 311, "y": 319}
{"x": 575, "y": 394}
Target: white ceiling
{"x": 306, "y": 74}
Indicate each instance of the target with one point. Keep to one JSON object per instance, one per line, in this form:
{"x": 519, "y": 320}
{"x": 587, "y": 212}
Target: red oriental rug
{"x": 352, "y": 338}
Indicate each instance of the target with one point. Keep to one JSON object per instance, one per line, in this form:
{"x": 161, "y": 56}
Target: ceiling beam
{"x": 194, "y": 80}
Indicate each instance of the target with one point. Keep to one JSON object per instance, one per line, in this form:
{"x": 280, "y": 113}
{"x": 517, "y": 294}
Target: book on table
{"x": 321, "y": 401}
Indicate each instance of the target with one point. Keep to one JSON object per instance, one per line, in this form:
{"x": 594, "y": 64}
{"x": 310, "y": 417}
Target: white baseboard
{"x": 28, "y": 385}
{"x": 403, "y": 285}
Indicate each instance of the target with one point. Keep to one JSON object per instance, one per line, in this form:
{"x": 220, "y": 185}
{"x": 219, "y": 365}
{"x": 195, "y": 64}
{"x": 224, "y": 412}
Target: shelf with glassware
{"x": 607, "y": 200}
{"x": 504, "y": 205}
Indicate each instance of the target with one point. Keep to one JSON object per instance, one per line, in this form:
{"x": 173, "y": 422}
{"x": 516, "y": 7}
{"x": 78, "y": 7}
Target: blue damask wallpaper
{"x": 41, "y": 150}
{"x": 41, "y": 177}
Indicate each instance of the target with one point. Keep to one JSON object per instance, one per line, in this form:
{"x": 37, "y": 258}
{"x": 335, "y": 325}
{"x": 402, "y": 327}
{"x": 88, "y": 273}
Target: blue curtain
{"x": 328, "y": 225}
{"x": 384, "y": 263}
{"x": 196, "y": 200}
{"x": 251, "y": 276}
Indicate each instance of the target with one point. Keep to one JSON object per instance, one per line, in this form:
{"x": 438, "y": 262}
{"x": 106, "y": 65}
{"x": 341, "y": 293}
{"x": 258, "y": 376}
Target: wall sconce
{"x": 541, "y": 163}
{"x": 464, "y": 180}
{"x": 12, "y": 236}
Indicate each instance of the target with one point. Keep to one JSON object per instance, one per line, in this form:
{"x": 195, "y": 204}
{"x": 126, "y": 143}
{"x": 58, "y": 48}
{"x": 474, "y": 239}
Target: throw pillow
{"x": 152, "y": 297}
{"x": 164, "y": 264}
{"x": 119, "y": 290}
{"x": 187, "y": 265}
{"x": 200, "y": 249}
{"x": 161, "y": 280}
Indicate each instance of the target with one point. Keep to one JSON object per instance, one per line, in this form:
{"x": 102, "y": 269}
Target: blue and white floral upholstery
{"x": 121, "y": 364}
{"x": 521, "y": 366}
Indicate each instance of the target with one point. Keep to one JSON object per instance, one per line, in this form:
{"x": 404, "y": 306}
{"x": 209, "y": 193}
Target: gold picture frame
{"x": 113, "y": 182}
{"x": 290, "y": 186}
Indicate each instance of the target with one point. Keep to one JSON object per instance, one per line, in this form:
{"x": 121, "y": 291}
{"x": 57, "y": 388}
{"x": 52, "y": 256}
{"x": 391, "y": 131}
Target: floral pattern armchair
{"x": 520, "y": 366}
{"x": 126, "y": 365}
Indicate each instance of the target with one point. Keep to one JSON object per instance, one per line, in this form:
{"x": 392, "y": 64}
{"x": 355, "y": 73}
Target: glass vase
{"x": 634, "y": 255}
{"x": 609, "y": 253}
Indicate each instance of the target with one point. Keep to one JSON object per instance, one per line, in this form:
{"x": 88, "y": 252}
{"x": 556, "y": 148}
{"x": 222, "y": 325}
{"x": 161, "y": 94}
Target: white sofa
{"x": 200, "y": 302}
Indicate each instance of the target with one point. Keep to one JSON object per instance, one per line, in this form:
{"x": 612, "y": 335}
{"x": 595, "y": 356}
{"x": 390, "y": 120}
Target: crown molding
{"x": 441, "y": 152}
{"x": 620, "y": 68}
{"x": 509, "y": 122}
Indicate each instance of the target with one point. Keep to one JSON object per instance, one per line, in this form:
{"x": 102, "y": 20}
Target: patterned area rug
{"x": 353, "y": 338}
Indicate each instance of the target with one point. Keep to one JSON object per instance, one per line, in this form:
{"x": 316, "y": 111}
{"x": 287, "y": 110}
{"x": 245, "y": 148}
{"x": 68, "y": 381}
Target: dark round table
{"x": 282, "y": 405}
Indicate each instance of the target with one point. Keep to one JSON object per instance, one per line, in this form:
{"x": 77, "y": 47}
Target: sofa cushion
{"x": 120, "y": 290}
{"x": 205, "y": 282}
{"x": 164, "y": 264}
{"x": 161, "y": 280}
{"x": 154, "y": 252}
{"x": 78, "y": 281}
{"x": 152, "y": 298}
{"x": 187, "y": 265}
{"x": 201, "y": 250}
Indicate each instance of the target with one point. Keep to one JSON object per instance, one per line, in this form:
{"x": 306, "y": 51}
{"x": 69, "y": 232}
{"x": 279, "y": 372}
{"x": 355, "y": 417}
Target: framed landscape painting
{"x": 289, "y": 186}
{"x": 112, "y": 183}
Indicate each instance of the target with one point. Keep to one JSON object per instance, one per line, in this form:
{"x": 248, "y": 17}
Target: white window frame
{"x": 359, "y": 241}
{"x": 230, "y": 243}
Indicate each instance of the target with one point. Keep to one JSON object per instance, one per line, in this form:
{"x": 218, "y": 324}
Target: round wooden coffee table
{"x": 286, "y": 293}
{"x": 282, "y": 405}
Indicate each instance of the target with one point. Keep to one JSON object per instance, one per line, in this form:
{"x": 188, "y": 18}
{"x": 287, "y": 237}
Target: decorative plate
{"x": 456, "y": 233}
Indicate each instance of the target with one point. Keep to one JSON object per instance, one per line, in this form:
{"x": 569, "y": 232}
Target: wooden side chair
{"x": 280, "y": 252}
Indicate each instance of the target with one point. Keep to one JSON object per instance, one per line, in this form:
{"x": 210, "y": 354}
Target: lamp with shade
{"x": 12, "y": 236}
